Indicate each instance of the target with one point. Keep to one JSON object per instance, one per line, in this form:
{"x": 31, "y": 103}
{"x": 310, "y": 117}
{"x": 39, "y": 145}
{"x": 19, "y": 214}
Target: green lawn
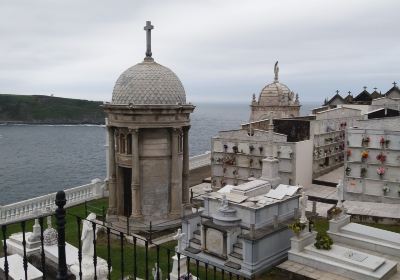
{"x": 72, "y": 238}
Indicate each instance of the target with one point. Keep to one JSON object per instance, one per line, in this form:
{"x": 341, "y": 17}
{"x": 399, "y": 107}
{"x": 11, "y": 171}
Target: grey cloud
{"x": 221, "y": 50}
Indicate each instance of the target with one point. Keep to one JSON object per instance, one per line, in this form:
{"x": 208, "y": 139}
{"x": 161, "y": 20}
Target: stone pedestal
{"x": 14, "y": 244}
{"x": 182, "y": 267}
{"x": 305, "y": 238}
{"x": 88, "y": 269}
{"x": 336, "y": 224}
{"x": 270, "y": 169}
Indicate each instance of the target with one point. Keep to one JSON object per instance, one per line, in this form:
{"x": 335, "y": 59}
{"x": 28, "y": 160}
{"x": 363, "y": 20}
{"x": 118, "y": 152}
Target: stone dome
{"x": 148, "y": 83}
{"x": 276, "y": 94}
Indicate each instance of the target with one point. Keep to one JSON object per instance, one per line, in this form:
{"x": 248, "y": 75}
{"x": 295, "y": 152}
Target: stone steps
{"x": 233, "y": 265}
{"x": 236, "y": 257}
{"x": 238, "y": 248}
{"x": 195, "y": 243}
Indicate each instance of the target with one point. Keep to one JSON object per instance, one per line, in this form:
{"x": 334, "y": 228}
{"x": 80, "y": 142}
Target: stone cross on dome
{"x": 148, "y": 29}
{"x": 337, "y": 91}
{"x": 394, "y": 84}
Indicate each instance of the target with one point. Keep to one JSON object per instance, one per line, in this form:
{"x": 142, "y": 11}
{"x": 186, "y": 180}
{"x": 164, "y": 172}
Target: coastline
{"x": 16, "y": 123}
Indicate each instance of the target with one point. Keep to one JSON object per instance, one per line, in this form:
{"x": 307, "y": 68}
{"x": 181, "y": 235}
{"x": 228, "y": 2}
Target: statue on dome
{"x": 276, "y": 71}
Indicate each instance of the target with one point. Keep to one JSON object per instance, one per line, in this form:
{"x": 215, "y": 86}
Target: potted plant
{"x": 323, "y": 241}
{"x": 380, "y": 171}
{"x": 297, "y": 227}
{"x": 385, "y": 189}
{"x": 381, "y": 157}
{"x": 364, "y": 155}
{"x": 363, "y": 172}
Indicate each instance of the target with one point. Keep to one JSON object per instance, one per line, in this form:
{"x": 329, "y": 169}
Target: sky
{"x": 222, "y": 51}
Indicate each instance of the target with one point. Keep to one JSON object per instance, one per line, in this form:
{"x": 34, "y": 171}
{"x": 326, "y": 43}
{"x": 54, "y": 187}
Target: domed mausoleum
{"x": 276, "y": 100}
{"x": 148, "y": 155}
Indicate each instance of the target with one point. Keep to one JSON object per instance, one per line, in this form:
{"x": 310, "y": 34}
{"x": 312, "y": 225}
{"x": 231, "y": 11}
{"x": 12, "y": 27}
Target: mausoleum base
{"x": 335, "y": 261}
{"x": 14, "y": 244}
{"x": 336, "y": 224}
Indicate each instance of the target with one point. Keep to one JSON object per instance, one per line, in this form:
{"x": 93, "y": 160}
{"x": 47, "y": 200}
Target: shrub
{"x": 323, "y": 241}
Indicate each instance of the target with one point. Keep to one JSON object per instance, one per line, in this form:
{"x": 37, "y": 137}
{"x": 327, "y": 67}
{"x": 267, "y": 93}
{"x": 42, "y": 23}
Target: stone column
{"x": 185, "y": 168}
{"x": 135, "y": 185}
{"x": 120, "y": 191}
{"x": 112, "y": 199}
{"x": 176, "y": 187}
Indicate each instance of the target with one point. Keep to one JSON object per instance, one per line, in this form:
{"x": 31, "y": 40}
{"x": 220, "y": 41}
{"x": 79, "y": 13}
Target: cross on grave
{"x": 148, "y": 29}
{"x": 349, "y": 92}
{"x": 394, "y": 84}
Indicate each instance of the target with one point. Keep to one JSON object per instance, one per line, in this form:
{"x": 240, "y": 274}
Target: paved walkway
{"x": 333, "y": 176}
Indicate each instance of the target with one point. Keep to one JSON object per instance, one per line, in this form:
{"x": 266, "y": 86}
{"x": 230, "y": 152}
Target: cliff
{"x": 41, "y": 109}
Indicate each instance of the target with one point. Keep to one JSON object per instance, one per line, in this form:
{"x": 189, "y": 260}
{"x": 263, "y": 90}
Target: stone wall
{"x": 381, "y": 148}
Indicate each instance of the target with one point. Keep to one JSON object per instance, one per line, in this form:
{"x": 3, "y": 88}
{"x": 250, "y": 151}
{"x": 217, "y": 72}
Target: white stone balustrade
{"x": 30, "y": 208}
{"x": 200, "y": 160}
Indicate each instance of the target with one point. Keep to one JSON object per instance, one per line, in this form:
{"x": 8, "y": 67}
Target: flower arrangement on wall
{"x": 235, "y": 149}
{"x": 363, "y": 172}
{"x": 380, "y": 171}
{"x": 381, "y": 157}
{"x": 365, "y": 141}
{"x": 348, "y": 171}
{"x": 384, "y": 142}
{"x": 385, "y": 189}
{"x": 251, "y": 148}
{"x": 364, "y": 155}
{"x": 225, "y": 147}
{"x": 348, "y": 153}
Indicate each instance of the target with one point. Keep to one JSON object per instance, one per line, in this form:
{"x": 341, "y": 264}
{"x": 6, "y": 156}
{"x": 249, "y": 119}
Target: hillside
{"x": 41, "y": 109}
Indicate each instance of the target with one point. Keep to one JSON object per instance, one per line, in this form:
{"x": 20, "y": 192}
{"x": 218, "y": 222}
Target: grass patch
{"x": 320, "y": 225}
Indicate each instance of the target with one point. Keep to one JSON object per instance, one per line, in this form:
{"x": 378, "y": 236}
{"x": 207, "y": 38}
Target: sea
{"x": 40, "y": 159}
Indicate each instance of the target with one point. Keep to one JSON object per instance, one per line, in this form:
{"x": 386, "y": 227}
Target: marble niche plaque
{"x": 215, "y": 241}
{"x": 285, "y": 151}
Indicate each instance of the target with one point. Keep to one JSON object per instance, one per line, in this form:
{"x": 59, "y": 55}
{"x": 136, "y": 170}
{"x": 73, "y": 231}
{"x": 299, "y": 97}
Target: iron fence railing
{"x": 114, "y": 240}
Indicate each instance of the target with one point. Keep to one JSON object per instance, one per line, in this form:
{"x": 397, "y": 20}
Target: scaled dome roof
{"x": 273, "y": 94}
{"x": 148, "y": 83}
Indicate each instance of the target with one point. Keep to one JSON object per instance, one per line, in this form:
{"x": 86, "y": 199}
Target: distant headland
{"x": 43, "y": 109}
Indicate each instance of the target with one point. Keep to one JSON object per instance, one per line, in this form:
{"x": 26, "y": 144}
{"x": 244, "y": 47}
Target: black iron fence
{"x": 125, "y": 260}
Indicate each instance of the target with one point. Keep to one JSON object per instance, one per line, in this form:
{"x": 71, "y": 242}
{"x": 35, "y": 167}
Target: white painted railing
{"x": 32, "y": 207}
{"x": 200, "y": 160}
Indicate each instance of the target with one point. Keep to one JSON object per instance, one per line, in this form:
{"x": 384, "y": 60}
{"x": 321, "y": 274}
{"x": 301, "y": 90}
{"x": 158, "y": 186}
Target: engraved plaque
{"x": 214, "y": 241}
